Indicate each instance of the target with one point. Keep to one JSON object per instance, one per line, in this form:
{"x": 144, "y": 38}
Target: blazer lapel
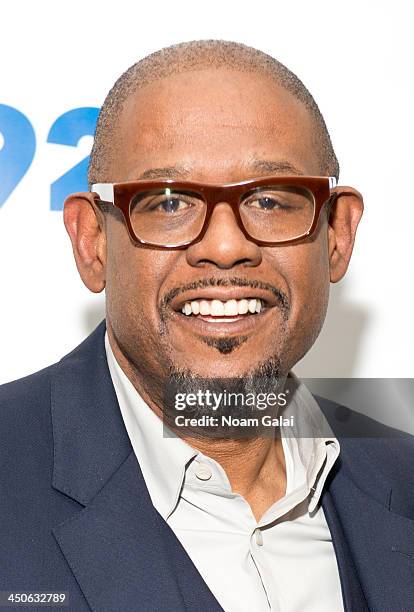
{"x": 373, "y": 541}
{"x": 115, "y": 551}
{"x": 121, "y": 552}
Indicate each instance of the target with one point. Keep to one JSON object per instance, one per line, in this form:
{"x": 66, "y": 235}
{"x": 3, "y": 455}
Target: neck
{"x": 255, "y": 467}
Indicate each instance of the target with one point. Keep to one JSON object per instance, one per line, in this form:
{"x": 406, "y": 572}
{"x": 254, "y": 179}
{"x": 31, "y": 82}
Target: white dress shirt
{"x": 283, "y": 562}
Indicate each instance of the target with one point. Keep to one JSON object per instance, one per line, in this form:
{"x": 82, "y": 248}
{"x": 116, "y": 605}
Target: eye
{"x": 161, "y": 203}
{"x": 166, "y": 204}
{"x": 169, "y": 205}
{"x": 266, "y": 203}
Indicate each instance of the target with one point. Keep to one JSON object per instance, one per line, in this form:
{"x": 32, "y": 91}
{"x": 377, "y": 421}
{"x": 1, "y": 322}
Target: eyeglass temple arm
{"x": 105, "y": 192}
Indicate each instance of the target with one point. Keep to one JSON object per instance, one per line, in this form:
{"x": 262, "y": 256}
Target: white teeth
{"x": 230, "y": 308}
{"x": 217, "y": 308}
{"x": 243, "y": 306}
{"x": 204, "y": 307}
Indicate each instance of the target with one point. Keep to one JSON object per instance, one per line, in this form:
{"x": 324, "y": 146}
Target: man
{"x": 215, "y": 228}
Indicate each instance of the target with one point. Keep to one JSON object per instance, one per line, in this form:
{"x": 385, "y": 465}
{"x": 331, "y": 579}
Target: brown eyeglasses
{"x": 169, "y": 214}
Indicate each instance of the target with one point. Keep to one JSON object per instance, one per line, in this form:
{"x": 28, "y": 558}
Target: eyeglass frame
{"x": 120, "y": 196}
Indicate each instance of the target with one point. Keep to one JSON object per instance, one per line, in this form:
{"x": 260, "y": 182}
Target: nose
{"x": 224, "y": 245}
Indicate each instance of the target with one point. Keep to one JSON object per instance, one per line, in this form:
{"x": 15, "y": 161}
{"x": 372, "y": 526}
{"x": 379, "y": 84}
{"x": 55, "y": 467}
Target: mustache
{"x": 235, "y": 281}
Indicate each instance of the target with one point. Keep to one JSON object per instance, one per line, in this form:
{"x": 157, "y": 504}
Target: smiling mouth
{"x": 228, "y": 311}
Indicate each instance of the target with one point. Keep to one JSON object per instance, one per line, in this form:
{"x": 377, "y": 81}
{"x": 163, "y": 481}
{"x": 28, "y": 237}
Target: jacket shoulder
{"x": 18, "y": 395}
{"x": 389, "y": 450}
{"x": 348, "y": 423}
{"x": 22, "y": 398}
{"x": 25, "y": 419}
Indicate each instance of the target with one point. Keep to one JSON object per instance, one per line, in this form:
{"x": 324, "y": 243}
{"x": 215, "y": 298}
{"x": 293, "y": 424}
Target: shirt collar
{"x": 164, "y": 460}
{"x": 311, "y": 448}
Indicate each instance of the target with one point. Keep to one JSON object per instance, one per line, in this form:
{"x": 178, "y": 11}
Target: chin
{"x": 227, "y": 365}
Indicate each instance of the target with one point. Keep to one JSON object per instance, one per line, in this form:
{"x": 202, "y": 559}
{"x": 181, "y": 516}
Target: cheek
{"x": 134, "y": 279}
{"x": 306, "y": 271}
{"x": 311, "y": 277}
{"x": 312, "y": 272}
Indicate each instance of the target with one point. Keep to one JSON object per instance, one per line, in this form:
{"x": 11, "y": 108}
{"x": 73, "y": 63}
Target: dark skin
{"x": 217, "y": 124}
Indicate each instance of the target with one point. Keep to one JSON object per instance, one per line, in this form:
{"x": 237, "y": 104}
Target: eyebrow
{"x": 262, "y": 166}
{"x": 166, "y": 172}
{"x": 279, "y": 167}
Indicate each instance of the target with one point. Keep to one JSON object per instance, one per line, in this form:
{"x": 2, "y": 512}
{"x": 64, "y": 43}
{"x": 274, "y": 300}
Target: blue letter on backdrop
{"x": 68, "y": 129}
{"x": 18, "y": 149}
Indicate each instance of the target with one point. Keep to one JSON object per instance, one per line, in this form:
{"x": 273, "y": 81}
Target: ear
{"x": 344, "y": 217}
{"x": 85, "y": 224}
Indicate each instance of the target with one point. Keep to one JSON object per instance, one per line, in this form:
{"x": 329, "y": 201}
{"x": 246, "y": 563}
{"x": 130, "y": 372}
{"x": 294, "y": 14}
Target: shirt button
{"x": 203, "y": 471}
{"x": 259, "y": 537}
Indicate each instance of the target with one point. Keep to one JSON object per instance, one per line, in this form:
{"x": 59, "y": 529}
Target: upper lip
{"x": 223, "y": 294}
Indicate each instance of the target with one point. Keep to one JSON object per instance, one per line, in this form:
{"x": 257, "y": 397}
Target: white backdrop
{"x": 356, "y": 59}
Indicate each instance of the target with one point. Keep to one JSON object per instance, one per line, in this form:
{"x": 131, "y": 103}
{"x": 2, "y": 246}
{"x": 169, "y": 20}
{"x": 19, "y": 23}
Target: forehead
{"x": 215, "y": 122}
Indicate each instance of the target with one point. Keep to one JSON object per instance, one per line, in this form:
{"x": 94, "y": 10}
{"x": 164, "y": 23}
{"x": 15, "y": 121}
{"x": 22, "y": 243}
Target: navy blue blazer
{"x": 76, "y": 516}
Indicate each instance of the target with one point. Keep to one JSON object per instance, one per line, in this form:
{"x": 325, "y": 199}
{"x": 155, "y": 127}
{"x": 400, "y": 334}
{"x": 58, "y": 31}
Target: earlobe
{"x": 86, "y": 229}
{"x": 344, "y": 218}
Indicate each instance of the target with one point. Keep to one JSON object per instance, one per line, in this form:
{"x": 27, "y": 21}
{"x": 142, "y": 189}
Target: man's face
{"x": 219, "y": 126}
{"x": 213, "y": 126}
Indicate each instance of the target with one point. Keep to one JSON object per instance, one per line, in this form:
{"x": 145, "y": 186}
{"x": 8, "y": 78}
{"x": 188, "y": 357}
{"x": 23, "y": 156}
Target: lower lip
{"x": 212, "y": 319}
{"x": 236, "y": 325}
